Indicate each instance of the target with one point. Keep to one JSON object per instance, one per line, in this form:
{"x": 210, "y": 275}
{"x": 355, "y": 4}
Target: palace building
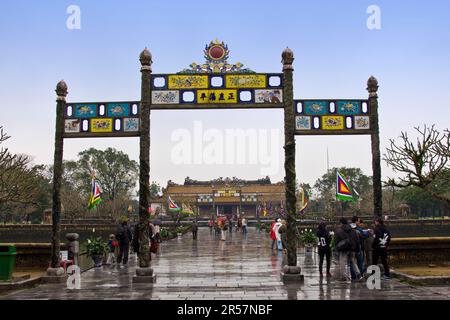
{"x": 229, "y": 197}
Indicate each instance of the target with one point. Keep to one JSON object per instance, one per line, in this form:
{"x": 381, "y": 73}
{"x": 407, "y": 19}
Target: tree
{"x": 19, "y": 181}
{"x": 425, "y": 162}
{"x": 115, "y": 173}
{"x": 155, "y": 190}
{"x": 114, "y": 170}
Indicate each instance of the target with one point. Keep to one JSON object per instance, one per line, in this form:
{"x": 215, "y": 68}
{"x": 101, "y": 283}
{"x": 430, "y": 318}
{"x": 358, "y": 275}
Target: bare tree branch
{"x": 422, "y": 162}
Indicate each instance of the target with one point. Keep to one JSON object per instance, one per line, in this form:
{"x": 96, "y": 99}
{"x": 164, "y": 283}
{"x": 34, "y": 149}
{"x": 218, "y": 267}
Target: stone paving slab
{"x": 244, "y": 267}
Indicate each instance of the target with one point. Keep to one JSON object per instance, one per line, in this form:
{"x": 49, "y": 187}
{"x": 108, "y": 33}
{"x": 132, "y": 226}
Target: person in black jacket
{"x": 124, "y": 236}
{"x": 194, "y": 230}
{"x": 343, "y": 246}
{"x": 382, "y": 238}
{"x": 324, "y": 249}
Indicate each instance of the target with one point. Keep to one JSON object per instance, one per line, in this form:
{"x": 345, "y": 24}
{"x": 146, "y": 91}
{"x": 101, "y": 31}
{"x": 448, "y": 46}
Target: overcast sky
{"x": 335, "y": 53}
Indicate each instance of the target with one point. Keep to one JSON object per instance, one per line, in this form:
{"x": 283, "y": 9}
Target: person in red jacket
{"x": 273, "y": 236}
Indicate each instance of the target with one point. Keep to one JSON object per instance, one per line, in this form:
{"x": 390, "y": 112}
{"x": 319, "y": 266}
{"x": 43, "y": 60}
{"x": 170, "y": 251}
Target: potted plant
{"x": 96, "y": 249}
{"x": 180, "y": 230}
{"x": 308, "y": 239}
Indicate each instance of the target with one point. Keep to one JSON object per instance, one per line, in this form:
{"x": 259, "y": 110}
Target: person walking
{"x": 272, "y": 234}
{"x": 230, "y": 225}
{"x": 381, "y": 241}
{"x": 343, "y": 247}
{"x": 157, "y": 230}
{"x": 244, "y": 226}
{"x": 124, "y": 237}
{"x": 221, "y": 225}
{"x": 211, "y": 226}
{"x": 276, "y": 228}
{"x": 282, "y": 230}
{"x": 112, "y": 252}
{"x": 194, "y": 230}
{"x": 324, "y": 249}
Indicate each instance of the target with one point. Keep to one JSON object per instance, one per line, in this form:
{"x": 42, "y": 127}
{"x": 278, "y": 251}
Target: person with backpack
{"x": 124, "y": 237}
{"x": 343, "y": 247}
{"x": 381, "y": 241}
{"x": 324, "y": 249}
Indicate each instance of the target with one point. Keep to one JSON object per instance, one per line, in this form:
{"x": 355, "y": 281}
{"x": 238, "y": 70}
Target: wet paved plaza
{"x": 243, "y": 267}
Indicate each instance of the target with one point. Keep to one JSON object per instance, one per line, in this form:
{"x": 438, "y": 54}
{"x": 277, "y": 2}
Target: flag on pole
{"x": 173, "y": 206}
{"x": 94, "y": 197}
{"x": 344, "y": 190}
{"x": 302, "y": 200}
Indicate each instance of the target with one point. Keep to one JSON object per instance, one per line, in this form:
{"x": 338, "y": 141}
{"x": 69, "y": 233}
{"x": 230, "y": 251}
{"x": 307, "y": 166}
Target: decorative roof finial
{"x": 372, "y": 86}
{"x": 287, "y": 58}
{"x": 145, "y": 57}
{"x": 61, "y": 90}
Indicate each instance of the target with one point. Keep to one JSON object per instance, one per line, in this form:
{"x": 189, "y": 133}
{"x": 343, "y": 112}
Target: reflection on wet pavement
{"x": 243, "y": 267}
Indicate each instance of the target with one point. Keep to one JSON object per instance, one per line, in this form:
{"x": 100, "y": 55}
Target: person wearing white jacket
{"x": 276, "y": 229}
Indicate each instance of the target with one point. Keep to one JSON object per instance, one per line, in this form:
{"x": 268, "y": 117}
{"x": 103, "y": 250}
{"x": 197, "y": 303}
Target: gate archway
{"x": 215, "y": 84}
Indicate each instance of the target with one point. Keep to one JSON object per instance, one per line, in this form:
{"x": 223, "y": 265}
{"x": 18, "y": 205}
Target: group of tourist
{"x": 356, "y": 247}
{"x": 222, "y": 224}
{"x": 126, "y": 239}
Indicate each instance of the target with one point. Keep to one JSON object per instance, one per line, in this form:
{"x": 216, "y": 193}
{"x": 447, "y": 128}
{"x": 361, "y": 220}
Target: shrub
{"x": 308, "y": 237}
{"x": 96, "y": 246}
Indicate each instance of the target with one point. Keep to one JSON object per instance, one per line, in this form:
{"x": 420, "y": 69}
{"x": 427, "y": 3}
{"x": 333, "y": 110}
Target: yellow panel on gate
{"x": 216, "y": 96}
{"x": 246, "y": 81}
{"x": 332, "y": 123}
{"x": 101, "y": 125}
{"x": 188, "y": 82}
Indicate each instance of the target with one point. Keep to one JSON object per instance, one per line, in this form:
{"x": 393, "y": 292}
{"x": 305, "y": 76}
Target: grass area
{"x": 425, "y": 270}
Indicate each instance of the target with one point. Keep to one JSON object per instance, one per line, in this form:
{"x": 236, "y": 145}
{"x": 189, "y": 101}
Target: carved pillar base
{"x": 292, "y": 274}
{"x": 144, "y": 275}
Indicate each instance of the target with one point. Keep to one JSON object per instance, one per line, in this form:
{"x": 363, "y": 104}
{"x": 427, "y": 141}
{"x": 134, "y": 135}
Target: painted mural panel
{"x": 118, "y": 109}
{"x": 316, "y": 107}
{"x": 188, "y": 81}
{"x": 72, "y": 126}
{"x": 246, "y": 81}
{"x": 131, "y": 124}
{"x": 362, "y": 122}
{"x": 166, "y": 97}
{"x": 332, "y": 123}
{"x": 272, "y": 96}
{"x": 85, "y": 110}
{"x": 348, "y": 107}
{"x": 101, "y": 125}
{"x": 216, "y": 96}
{"x": 303, "y": 123}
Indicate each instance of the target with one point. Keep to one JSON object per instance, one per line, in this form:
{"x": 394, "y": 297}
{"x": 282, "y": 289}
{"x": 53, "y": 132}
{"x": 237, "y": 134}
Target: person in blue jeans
{"x": 357, "y": 224}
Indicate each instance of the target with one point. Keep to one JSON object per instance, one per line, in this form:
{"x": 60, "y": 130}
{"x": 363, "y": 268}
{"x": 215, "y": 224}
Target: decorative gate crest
{"x": 216, "y": 55}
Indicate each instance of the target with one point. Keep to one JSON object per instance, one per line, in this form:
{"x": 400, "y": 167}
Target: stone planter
{"x": 309, "y": 248}
{"x": 98, "y": 260}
